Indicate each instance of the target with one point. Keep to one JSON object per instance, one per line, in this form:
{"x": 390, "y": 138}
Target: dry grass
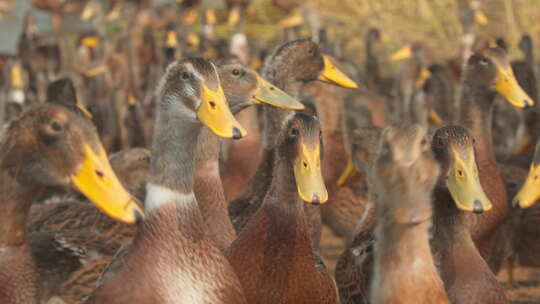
{"x": 434, "y": 21}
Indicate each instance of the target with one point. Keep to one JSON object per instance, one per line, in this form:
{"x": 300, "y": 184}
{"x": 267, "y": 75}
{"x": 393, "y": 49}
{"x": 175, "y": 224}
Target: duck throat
{"x": 282, "y": 197}
{"x": 15, "y": 202}
{"x": 170, "y": 180}
{"x": 173, "y": 153}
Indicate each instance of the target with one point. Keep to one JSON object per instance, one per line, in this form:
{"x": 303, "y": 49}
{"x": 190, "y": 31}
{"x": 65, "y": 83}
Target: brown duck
{"x": 49, "y": 145}
{"x": 404, "y": 174}
{"x": 272, "y": 255}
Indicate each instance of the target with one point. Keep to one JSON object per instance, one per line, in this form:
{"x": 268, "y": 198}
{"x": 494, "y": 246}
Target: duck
{"x": 404, "y": 175}
{"x": 516, "y": 125}
{"x": 50, "y": 145}
{"x": 466, "y": 274}
{"x": 290, "y": 66}
{"x": 440, "y": 91}
{"x": 373, "y": 80}
{"x": 487, "y": 74}
{"x": 171, "y": 244}
{"x": 410, "y": 77}
{"x": 273, "y": 255}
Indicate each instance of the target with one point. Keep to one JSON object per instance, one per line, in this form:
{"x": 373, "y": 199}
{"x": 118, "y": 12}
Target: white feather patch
{"x": 157, "y": 196}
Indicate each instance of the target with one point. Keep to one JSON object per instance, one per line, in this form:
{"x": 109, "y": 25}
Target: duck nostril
{"x": 100, "y": 173}
{"x": 236, "y": 133}
{"x": 272, "y": 88}
{"x": 477, "y": 207}
{"x": 305, "y": 164}
{"x": 212, "y": 104}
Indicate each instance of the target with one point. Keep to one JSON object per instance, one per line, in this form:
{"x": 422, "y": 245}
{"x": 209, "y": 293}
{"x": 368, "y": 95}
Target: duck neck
{"x": 476, "y": 114}
{"x": 449, "y": 223}
{"x": 170, "y": 180}
{"x": 372, "y": 63}
{"x": 282, "y": 195}
{"x": 16, "y": 198}
{"x": 173, "y": 152}
{"x": 395, "y": 241}
{"x": 274, "y": 117}
{"x": 402, "y": 252}
{"x": 529, "y": 54}
{"x": 209, "y": 191}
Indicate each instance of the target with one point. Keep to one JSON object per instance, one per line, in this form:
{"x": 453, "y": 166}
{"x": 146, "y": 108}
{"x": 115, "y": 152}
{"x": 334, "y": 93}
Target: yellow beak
{"x": 464, "y": 184}
{"x": 272, "y": 95}
{"x": 234, "y": 16}
{"x": 402, "y": 54}
{"x": 331, "y": 74}
{"x": 434, "y": 118}
{"x": 507, "y": 85}
{"x": 294, "y": 19}
{"x": 172, "y": 39}
{"x": 214, "y": 112}
{"x": 424, "y": 75}
{"x": 96, "y": 71}
{"x": 349, "y": 175}
{"x": 83, "y": 109}
{"x": 16, "y": 77}
{"x": 210, "y": 15}
{"x": 97, "y": 181}
{"x": 530, "y": 191}
{"x": 308, "y": 175}
{"x": 480, "y": 18}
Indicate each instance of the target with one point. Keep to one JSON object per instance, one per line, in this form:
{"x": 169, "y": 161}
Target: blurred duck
{"x": 411, "y": 76}
{"x": 273, "y": 252}
{"x": 50, "y": 145}
{"x": 404, "y": 174}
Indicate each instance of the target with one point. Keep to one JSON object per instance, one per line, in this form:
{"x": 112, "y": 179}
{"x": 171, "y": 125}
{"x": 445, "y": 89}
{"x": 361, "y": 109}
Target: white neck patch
{"x": 157, "y": 196}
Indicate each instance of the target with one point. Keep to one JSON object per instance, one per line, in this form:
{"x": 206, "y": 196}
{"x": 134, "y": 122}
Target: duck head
{"x": 303, "y": 61}
{"x": 191, "y": 90}
{"x": 52, "y": 146}
{"x": 530, "y": 190}
{"x": 454, "y": 149}
{"x": 245, "y": 87}
{"x": 404, "y": 174}
{"x": 301, "y": 144}
{"x": 491, "y": 70}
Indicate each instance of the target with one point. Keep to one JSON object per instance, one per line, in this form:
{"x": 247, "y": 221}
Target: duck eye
{"x": 311, "y": 51}
{"x": 236, "y": 72}
{"x": 484, "y": 61}
{"x": 56, "y": 126}
{"x": 185, "y": 75}
{"x": 293, "y": 132}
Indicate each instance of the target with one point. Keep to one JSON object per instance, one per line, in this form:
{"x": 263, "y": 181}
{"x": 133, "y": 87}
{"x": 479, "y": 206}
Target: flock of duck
{"x": 430, "y": 200}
